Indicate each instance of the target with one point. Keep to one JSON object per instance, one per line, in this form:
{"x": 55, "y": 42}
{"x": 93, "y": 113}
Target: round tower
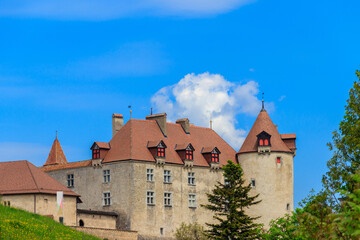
{"x": 267, "y": 160}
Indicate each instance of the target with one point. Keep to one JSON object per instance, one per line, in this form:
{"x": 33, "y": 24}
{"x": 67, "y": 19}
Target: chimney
{"x": 161, "y": 121}
{"x": 117, "y": 123}
{"x": 185, "y": 124}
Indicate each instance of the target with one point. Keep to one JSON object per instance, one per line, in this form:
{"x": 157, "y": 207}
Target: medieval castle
{"x": 155, "y": 174}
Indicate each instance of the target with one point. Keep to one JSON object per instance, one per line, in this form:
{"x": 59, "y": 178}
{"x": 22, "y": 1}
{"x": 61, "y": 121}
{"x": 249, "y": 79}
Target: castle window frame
{"x": 96, "y": 153}
{"x": 192, "y": 200}
{"x": 278, "y": 161}
{"x": 150, "y": 175}
{"x": 215, "y": 157}
{"x": 167, "y": 199}
{"x": 263, "y": 139}
{"x": 106, "y": 198}
{"x": 191, "y": 178}
{"x": 253, "y": 183}
{"x": 167, "y": 176}
{"x": 160, "y": 152}
{"x": 107, "y": 177}
{"x": 288, "y": 206}
{"x": 189, "y": 155}
{"x": 70, "y": 180}
{"x": 150, "y": 198}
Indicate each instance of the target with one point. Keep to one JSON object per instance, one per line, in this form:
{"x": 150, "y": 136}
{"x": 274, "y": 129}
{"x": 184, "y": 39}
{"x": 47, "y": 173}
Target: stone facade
{"x": 96, "y": 220}
{"x": 128, "y": 187}
{"x": 109, "y": 234}
{"x": 274, "y": 182}
{"x": 44, "y": 204}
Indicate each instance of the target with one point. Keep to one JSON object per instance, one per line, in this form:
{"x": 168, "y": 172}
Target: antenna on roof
{"x": 151, "y": 112}
{"x": 263, "y": 107}
{"x": 210, "y": 121}
{"x": 56, "y": 134}
{"x": 130, "y": 110}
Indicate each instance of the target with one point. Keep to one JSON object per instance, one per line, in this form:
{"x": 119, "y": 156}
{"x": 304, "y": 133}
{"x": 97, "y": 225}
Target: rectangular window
{"x": 96, "y": 153}
{"x": 278, "y": 160}
{"x": 150, "y": 175}
{"x": 107, "y": 198}
{"x": 192, "y": 200}
{"x": 106, "y": 176}
{"x": 167, "y": 176}
{"x": 189, "y": 155}
{"x": 215, "y": 157}
{"x": 70, "y": 180}
{"x": 191, "y": 178}
{"x": 253, "y": 183}
{"x": 161, "y": 152}
{"x": 150, "y": 200}
{"x": 168, "y": 199}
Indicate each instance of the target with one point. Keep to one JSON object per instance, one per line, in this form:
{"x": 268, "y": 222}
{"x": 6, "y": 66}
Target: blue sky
{"x": 68, "y": 65}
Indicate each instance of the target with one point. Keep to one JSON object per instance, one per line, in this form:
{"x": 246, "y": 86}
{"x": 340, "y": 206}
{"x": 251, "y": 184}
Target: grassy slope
{"x": 19, "y": 224}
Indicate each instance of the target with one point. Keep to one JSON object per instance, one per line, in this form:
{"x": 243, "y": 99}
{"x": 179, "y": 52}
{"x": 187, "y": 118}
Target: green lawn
{"x": 19, "y": 224}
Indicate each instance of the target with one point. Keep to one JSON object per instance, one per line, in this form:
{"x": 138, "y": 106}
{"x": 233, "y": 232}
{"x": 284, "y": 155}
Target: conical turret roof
{"x": 263, "y": 123}
{"x": 56, "y": 155}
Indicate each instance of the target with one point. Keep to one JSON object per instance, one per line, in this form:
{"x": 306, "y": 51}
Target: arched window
{"x": 81, "y": 223}
{"x": 261, "y": 142}
{"x": 266, "y": 142}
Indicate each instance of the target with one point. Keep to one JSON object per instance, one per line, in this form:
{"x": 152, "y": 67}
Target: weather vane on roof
{"x": 263, "y": 107}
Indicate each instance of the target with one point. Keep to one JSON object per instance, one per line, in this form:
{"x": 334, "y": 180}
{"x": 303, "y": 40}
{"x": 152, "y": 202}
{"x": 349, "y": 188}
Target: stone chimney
{"x": 185, "y": 124}
{"x": 117, "y": 123}
{"x": 161, "y": 121}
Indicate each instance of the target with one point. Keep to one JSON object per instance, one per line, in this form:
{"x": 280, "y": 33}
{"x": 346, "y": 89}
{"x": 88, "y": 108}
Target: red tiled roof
{"x": 103, "y": 145}
{"x": 56, "y": 155}
{"x": 263, "y": 123}
{"x": 131, "y": 142}
{"x": 288, "y": 135}
{"x": 65, "y": 166}
{"x": 21, "y": 177}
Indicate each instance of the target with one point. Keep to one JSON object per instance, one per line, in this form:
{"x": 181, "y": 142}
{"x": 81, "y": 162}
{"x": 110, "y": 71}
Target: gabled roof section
{"x": 264, "y": 123}
{"x": 56, "y": 155}
{"x": 210, "y": 150}
{"x": 185, "y": 146}
{"x": 131, "y": 142}
{"x": 101, "y": 145}
{"x": 155, "y": 144}
{"x": 22, "y": 177}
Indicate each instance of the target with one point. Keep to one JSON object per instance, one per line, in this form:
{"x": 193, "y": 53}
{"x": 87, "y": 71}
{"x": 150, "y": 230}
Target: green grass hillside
{"x": 19, "y": 224}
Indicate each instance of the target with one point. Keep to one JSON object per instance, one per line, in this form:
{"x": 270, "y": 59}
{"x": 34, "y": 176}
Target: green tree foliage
{"x": 346, "y": 149}
{"x": 334, "y": 212}
{"x": 348, "y": 220}
{"x": 229, "y": 201}
{"x": 190, "y": 232}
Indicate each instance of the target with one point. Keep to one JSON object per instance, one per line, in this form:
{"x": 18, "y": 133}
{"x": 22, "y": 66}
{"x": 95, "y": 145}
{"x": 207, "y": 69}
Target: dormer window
{"x": 160, "y": 152}
{"x": 189, "y": 155}
{"x": 264, "y": 139}
{"x": 215, "y": 157}
{"x": 96, "y": 153}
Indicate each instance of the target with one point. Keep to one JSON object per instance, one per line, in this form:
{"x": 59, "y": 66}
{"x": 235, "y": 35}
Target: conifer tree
{"x": 229, "y": 201}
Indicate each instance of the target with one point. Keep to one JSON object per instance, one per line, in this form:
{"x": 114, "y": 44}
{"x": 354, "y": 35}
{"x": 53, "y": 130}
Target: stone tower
{"x": 267, "y": 160}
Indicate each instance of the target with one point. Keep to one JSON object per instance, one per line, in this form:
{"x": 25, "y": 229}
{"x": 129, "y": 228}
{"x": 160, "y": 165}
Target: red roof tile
{"x": 103, "y": 145}
{"x": 263, "y": 123}
{"x": 288, "y": 135}
{"x": 56, "y": 155}
{"x": 66, "y": 166}
{"x": 21, "y": 177}
{"x": 132, "y": 139}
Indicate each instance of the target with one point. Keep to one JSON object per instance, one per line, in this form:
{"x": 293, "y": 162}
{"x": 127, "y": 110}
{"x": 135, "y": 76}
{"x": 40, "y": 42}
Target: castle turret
{"x": 267, "y": 160}
{"x": 56, "y": 155}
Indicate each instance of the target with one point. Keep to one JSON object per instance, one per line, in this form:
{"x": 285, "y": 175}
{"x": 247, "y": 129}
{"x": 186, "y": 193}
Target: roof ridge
{"x": 32, "y": 176}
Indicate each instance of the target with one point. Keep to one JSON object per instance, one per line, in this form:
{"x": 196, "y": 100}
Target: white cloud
{"x": 282, "y": 98}
{"x": 204, "y": 96}
{"x": 112, "y": 9}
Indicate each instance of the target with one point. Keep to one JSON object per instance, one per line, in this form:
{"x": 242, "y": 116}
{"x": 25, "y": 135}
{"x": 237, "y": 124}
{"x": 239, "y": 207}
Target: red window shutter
{"x": 261, "y": 142}
{"x": 266, "y": 143}
{"x": 278, "y": 161}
